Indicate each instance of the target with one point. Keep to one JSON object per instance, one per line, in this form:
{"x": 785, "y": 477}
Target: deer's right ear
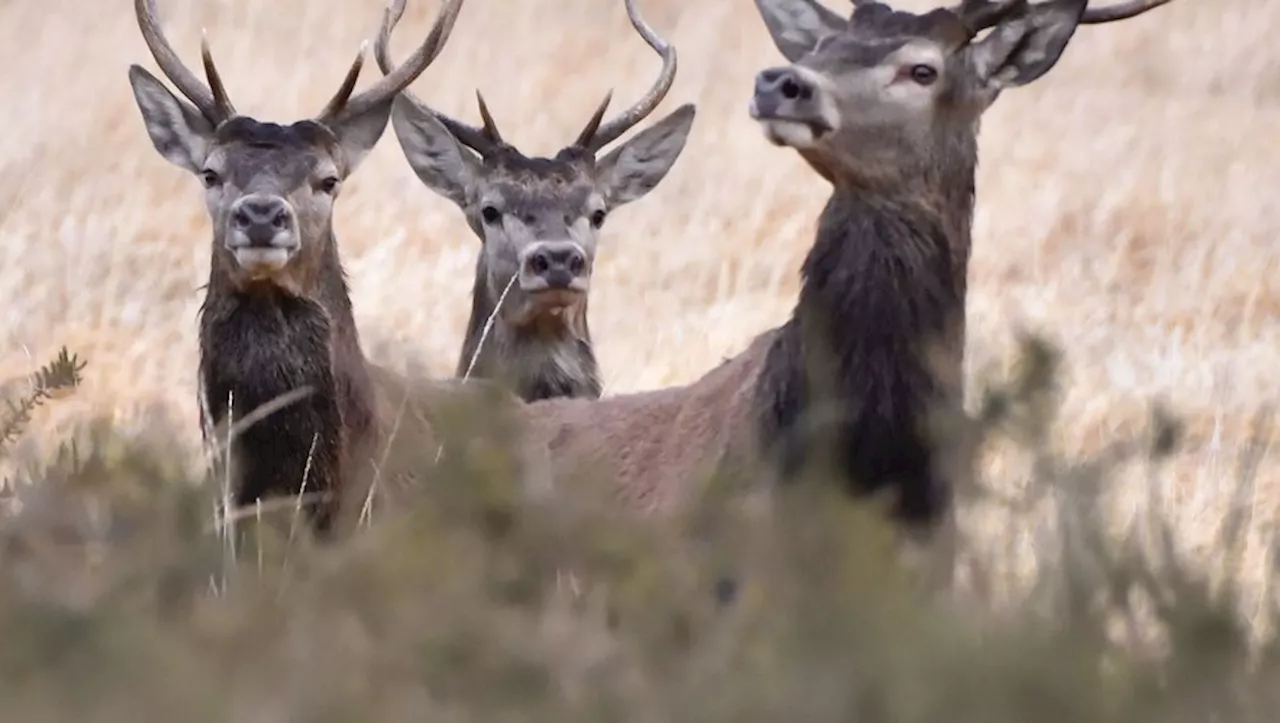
{"x": 434, "y": 154}
{"x": 178, "y": 131}
{"x": 796, "y": 26}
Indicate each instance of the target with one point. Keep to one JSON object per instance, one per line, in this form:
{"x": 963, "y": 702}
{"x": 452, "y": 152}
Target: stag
{"x": 276, "y": 321}
{"x": 538, "y": 221}
{"x": 885, "y": 106}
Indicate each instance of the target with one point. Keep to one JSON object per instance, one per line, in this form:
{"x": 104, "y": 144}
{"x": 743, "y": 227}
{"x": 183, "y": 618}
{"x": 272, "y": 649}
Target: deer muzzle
{"x": 554, "y": 268}
{"x": 262, "y": 232}
{"x": 793, "y": 106}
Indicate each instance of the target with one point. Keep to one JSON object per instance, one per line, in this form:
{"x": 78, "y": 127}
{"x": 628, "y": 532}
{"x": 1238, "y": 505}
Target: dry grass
{"x": 1123, "y": 209}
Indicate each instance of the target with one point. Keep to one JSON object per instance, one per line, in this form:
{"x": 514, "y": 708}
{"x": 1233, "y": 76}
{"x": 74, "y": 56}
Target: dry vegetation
{"x": 1123, "y": 212}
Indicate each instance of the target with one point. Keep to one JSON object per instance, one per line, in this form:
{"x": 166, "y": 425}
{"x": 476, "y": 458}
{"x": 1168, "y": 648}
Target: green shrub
{"x": 120, "y": 600}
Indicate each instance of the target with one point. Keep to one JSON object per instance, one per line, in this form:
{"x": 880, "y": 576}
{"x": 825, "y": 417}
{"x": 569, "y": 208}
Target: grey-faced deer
{"x": 277, "y": 318}
{"x": 538, "y": 220}
{"x": 884, "y": 105}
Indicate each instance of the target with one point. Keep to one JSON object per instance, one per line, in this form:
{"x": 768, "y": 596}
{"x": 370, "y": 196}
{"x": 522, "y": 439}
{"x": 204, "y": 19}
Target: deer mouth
{"x": 260, "y": 261}
{"x": 786, "y": 125}
{"x": 794, "y": 132}
{"x": 555, "y": 300}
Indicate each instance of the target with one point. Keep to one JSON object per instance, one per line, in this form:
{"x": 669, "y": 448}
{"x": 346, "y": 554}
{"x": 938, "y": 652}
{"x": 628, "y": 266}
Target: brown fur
{"x": 277, "y": 318}
{"x": 874, "y": 347}
{"x": 539, "y": 343}
{"x": 540, "y": 347}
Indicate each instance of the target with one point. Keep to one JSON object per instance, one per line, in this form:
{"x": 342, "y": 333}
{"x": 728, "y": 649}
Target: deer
{"x": 885, "y": 106}
{"x": 276, "y": 321}
{"x": 538, "y": 221}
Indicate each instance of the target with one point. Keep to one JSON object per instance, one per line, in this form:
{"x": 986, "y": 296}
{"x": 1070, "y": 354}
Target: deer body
{"x": 884, "y": 105}
{"x": 277, "y": 318}
{"x": 879, "y": 278}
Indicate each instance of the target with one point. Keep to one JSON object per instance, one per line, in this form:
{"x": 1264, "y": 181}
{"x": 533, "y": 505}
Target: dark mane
{"x": 879, "y": 21}
{"x": 302, "y": 135}
{"x": 878, "y": 286}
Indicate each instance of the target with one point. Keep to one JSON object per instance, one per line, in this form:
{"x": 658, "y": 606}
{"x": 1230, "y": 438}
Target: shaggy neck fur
{"x": 550, "y": 358}
{"x": 884, "y": 280}
{"x": 259, "y": 341}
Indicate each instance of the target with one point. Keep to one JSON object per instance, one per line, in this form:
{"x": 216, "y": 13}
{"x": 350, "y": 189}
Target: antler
{"x": 1123, "y": 11}
{"x": 483, "y": 140}
{"x": 595, "y": 136}
{"x": 979, "y": 15}
{"x": 212, "y": 101}
{"x": 343, "y": 105}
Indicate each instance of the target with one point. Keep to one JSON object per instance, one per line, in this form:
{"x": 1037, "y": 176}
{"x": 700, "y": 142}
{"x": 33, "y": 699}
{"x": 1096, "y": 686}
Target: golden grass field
{"x": 1124, "y": 209}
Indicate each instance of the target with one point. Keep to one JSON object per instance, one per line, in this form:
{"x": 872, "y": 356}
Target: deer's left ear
{"x": 1027, "y": 44}
{"x": 636, "y": 167}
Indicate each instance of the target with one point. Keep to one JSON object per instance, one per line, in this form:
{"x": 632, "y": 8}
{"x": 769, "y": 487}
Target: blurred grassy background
{"x": 1122, "y": 211}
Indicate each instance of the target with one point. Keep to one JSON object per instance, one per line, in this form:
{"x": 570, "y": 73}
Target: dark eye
{"x": 597, "y": 219}
{"x": 328, "y": 185}
{"x": 210, "y": 178}
{"x": 490, "y": 214}
{"x": 923, "y": 74}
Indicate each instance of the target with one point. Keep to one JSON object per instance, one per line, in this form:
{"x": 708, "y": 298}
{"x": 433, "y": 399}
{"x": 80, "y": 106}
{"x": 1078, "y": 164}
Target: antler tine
{"x": 220, "y": 98}
{"x": 1123, "y": 11}
{"x": 594, "y": 123}
{"x": 978, "y": 15}
{"x": 343, "y": 105}
{"x": 468, "y": 135}
{"x": 643, "y": 107}
{"x": 213, "y": 105}
{"x": 490, "y": 128}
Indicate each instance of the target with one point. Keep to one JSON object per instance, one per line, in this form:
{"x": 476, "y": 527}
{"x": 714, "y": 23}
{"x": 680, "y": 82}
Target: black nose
{"x": 260, "y": 219}
{"x": 779, "y": 85}
{"x": 557, "y": 265}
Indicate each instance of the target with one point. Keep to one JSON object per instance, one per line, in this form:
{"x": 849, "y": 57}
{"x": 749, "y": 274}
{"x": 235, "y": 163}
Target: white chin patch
{"x": 262, "y": 261}
{"x": 788, "y": 133}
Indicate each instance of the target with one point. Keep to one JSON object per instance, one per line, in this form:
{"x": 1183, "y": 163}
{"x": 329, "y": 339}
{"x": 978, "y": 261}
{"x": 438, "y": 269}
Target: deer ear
{"x": 178, "y": 131}
{"x": 636, "y": 167}
{"x": 435, "y": 155}
{"x": 358, "y": 135}
{"x": 797, "y": 25}
{"x": 1026, "y": 45}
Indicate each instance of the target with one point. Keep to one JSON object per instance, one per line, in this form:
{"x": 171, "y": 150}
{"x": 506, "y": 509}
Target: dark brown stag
{"x": 538, "y": 220}
{"x": 276, "y": 319}
{"x": 884, "y": 105}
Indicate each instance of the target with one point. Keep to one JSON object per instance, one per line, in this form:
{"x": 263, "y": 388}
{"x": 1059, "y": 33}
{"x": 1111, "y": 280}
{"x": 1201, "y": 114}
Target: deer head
{"x": 269, "y": 188}
{"x": 881, "y": 96}
{"x": 539, "y": 218}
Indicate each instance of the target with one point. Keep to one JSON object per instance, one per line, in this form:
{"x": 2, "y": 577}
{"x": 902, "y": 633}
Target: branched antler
{"x": 215, "y": 105}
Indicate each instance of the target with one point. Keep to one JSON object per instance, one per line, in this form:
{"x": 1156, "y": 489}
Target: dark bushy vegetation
{"x": 123, "y": 598}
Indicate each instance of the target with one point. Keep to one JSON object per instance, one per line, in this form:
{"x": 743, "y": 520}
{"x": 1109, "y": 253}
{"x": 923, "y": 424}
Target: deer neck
{"x": 261, "y": 341}
{"x": 875, "y": 340}
{"x": 550, "y": 356}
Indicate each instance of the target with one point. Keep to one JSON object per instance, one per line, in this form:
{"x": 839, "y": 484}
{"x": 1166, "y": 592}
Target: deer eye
{"x": 328, "y": 185}
{"x": 490, "y": 214}
{"x": 210, "y": 178}
{"x": 924, "y": 74}
{"x": 597, "y": 219}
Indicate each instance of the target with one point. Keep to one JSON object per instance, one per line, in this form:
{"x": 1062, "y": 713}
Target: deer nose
{"x": 777, "y": 88}
{"x": 261, "y": 219}
{"x": 557, "y": 264}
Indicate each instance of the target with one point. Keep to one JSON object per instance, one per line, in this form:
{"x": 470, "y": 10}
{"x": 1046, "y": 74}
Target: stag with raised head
{"x": 538, "y": 220}
{"x": 277, "y": 319}
{"x": 885, "y": 106}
